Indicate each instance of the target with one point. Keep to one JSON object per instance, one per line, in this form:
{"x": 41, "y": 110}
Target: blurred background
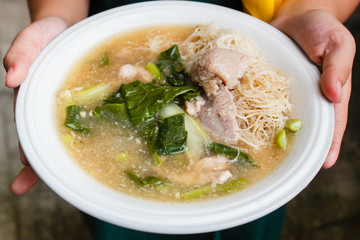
{"x": 329, "y": 208}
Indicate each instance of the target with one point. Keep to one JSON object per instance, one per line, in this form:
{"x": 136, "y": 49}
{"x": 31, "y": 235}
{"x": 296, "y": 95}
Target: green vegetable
{"x": 135, "y": 178}
{"x": 145, "y": 100}
{"x": 155, "y": 71}
{"x": 229, "y": 186}
{"x": 231, "y": 153}
{"x": 69, "y": 139}
{"x": 116, "y": 97}
{"x": 165, "y": 137}
{"x": 172, "y": 135}
{"x": 157, "y": 159}
{"x": 95, "y": 93}
{"x": 197, "y": 138}
{"x": 170, "y": 60}
{"x": 122, "y": 157}
{"x": 198, "y": 192}
{"x": 115, "y": 111}
{"x": 293, "y": 125}
{"x": 171, "y": 67}
{"x": 190, "y": 96}
{"x": 150, "y": 131}
{"x": 281, "y": 139}
{"x": 74, "y": 121}
{"x": 148, "y": 181}
{"x": 105, "y": 60}
{"x": 177, "y": 78}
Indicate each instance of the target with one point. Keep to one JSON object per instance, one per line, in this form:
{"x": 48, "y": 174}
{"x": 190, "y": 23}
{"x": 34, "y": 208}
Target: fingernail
{"x": 339, "y": 89}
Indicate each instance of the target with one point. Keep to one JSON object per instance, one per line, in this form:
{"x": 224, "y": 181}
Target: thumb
{"x": 337, "y": 65}
{"x": 26, "y": 47}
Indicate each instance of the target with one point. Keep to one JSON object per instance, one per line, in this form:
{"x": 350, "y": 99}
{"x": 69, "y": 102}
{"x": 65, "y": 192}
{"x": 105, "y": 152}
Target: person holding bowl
{"x": 316, "y": 25}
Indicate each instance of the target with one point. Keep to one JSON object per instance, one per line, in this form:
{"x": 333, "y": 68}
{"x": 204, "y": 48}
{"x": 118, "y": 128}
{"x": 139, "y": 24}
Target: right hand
{"x": 17, "y": 61}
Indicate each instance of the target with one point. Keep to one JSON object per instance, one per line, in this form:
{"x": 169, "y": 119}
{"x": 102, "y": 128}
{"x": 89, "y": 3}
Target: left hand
{"x": 331, "y": 47}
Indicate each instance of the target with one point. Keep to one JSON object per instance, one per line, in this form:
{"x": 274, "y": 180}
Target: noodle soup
{"x": 152, "y": 113}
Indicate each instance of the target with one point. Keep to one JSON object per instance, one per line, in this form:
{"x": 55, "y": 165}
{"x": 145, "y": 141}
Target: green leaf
{"x": 116, "y": 97}
{"x": 78, "y": 128}
{"x": 135, "y": 178}
{"x": 105, "y": 60}
{"x": 190, "y": 96}
{"x": 153, "y": 180}
{"x": 74, "y": 121}
{"x": 150, "y": 131}
{"x": 171, "y": 67}
{"x": 172, "y": 135}
{"x": 145, "y": 100}
{"x": 166, "y": 136}
{"x": 231, "y": 153}
{"x": 170, "y": 60}
{"x": 115, "y": 111}
{"x": 148, "y": 181}
{"x": 177, "y": 78}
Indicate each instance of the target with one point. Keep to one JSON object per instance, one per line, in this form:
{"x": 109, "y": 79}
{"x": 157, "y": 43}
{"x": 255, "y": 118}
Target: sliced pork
{"x": 218, "y": 71}
{"x": 219, "y": 66}
{"x": 218, "y": 116}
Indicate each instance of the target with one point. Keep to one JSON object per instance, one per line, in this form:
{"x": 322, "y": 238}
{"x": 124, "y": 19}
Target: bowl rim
{"x": 165, "y": 222}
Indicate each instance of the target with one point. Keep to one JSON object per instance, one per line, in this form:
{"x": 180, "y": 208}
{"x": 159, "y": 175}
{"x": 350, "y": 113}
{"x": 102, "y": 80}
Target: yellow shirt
{"x": 263, "y": 9}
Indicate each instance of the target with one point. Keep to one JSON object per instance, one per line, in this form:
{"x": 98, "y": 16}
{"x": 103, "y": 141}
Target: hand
{"x": 330, "y": 46}
{"x": 21, "y": 54}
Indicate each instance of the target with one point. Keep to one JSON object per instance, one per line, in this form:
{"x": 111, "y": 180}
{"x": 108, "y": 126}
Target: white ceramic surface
{"x": 46, "y": 154}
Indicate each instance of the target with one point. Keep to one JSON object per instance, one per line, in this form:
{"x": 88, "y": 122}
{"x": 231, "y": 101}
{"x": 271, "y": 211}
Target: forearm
{"x": 70, "y": 11}
{"x": 341, "y": 9}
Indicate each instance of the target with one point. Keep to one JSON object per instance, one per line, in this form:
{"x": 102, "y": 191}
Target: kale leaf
{"x": 171, "y": 67}
{"x": 145, "y": 100}
{"x": 172, "y": 135}
{"x": 148, "y": 181}
{"x": 166, "y": 136}
{"x": 116, "y": 111}
{"x": 231, "y": 153}
{"x": 74, "y": 121}
{"x": 170, "y": 60}
{"x": 116, "y": 97}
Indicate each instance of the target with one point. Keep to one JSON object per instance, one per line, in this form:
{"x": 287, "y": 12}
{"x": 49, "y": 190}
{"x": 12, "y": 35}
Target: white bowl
{"x": 47, "y": 155}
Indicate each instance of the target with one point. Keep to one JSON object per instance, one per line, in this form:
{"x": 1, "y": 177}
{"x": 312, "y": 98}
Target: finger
{"x": 21, "y": 54}
{"x": 16, "y": 91}
{"x": 337, "y": 64}
{"x": 22, "y": 156}
{"x": 18, "y": 71}
{"x": 341, "y": 115}
{"x": 24, "y": 181}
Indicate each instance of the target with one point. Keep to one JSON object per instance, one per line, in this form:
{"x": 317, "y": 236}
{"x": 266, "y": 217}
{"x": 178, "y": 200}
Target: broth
{"x": 114, "y": 148}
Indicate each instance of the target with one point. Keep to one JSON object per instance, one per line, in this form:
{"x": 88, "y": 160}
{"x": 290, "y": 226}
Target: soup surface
{"x": 114, "y": 150}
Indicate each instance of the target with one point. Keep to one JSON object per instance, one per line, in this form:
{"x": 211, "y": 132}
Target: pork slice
{"x": 219, "y": 66}
{"x": 194, "y": 106}
{"x": 218, "y": 116}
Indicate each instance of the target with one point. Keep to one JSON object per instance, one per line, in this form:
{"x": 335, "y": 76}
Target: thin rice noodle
{"x": 262, "y": 95}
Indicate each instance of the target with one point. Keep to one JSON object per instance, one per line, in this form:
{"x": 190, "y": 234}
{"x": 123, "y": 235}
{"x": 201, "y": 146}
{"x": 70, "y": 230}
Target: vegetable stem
{"x": 155, "y": 71}
{"x": 281, "y": 139}
{"x": 293, "y": 125}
